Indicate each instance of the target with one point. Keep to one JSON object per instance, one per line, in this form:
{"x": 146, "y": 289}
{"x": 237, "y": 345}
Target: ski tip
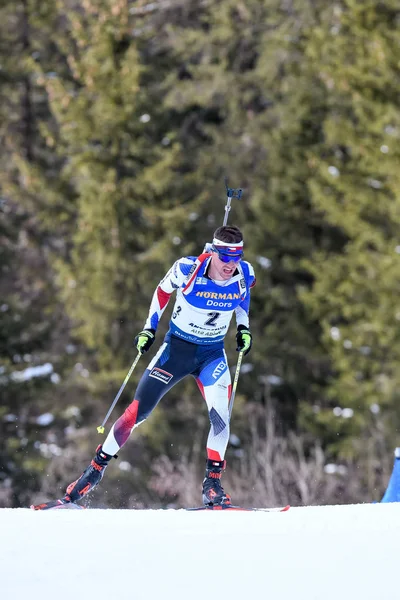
{"x": 275, "y": 509}
{"x": 46, "y": 505}
{"x": 56, "y": 504}
{"x": 272, "y": 509}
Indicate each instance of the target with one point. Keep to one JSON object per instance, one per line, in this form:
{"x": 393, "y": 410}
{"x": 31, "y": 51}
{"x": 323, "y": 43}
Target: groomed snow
{"x": 313, "y": 553}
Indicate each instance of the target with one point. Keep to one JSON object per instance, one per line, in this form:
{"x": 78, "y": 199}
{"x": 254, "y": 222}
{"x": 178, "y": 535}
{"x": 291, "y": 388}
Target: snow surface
{"x": 309, "y": 553}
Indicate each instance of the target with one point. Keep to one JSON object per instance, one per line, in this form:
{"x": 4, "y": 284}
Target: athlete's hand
{"x": 243, "y": 339}
{"x": 144, "y": 340}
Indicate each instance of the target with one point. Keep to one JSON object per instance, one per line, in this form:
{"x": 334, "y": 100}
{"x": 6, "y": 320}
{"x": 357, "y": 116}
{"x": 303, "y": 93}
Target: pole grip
{"x": 231, "y": 193}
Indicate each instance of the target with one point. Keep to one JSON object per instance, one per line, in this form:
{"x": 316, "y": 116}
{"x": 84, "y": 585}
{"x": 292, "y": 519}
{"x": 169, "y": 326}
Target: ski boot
{"x": 90, "y": 477}
{"x": 213, "y": 492}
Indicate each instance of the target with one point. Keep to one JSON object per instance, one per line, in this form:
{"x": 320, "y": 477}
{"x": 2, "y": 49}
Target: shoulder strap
{"x": 191, "y": 277}
{"x": 242, "y": 282}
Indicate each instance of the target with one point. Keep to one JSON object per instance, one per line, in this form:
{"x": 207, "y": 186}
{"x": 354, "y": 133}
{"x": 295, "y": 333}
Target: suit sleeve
{"x": 242, "y": 311}
{"x": 172, "y": 280}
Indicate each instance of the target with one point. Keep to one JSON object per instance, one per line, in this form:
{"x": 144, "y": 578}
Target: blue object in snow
{"x": 392, "y": 493}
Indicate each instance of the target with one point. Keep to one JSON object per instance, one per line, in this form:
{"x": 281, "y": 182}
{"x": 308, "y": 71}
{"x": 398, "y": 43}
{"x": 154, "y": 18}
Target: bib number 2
{"x": 213, "y": 318}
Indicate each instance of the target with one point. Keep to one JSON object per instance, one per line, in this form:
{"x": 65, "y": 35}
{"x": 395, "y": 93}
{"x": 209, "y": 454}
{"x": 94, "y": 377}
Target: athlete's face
{"x": 222, "y": 270}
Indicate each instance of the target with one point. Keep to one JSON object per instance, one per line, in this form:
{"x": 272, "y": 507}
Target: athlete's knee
{"x": 131, "y": 413}
{"x": 144, "y": 410}
{"x": 138, "y": 411}
{"x": 123, "y": 426}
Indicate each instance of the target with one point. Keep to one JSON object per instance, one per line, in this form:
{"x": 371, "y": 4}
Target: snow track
{"x": 310, "y": 553}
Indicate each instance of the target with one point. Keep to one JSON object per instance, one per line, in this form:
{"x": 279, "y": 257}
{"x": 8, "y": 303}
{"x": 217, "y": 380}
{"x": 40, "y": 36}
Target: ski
{"x": 62, "y": 503}
{"x": 241, "y": 508}
{"x": 56, "y": 504}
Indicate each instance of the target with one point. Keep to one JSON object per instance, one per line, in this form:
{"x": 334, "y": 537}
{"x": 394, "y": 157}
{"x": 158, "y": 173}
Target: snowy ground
{"x": 316, "y": 553}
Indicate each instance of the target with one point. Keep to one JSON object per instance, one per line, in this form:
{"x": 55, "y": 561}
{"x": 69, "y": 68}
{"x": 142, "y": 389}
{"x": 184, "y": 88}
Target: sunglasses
{"x": 227, "y": 258}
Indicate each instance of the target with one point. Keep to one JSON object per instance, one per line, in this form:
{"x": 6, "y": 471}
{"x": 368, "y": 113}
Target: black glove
{"x": 144, "y": 340}
{"x": 244, "y": 339}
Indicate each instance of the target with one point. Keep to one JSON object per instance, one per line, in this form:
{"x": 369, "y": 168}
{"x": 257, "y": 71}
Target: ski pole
{"x": 232, "y": 193}
{"x": 100, "y": 428}
{"x": 235, "y": 382}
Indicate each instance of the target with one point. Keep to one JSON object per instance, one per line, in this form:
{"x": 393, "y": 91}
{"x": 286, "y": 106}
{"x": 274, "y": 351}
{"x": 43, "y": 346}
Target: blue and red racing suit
{"x": 193, "y": 345}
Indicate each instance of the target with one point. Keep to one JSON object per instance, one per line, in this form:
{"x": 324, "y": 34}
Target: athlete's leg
{"x": 172, "y": 362}
{"x": 215, "y": 384}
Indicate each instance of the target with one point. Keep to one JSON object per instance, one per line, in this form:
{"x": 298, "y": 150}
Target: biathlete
{"x": 209, "y": 289}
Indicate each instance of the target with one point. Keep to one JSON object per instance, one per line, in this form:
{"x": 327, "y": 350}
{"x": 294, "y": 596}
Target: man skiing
{"x": 210, "y": 288}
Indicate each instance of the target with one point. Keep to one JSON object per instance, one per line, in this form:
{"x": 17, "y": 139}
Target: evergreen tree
{"x": 33, "y": 328}
{"x": 355, "y": 185}
{"x": 250, "y": 91}
{"x": 119, "y": 122}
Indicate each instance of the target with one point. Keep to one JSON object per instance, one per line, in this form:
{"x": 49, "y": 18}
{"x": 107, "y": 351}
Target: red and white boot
{"x": 90, "y": 477}
{"x": 213, "y": 492}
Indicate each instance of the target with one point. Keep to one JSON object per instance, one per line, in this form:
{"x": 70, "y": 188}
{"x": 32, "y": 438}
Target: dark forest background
{"x": 119, "y": 120}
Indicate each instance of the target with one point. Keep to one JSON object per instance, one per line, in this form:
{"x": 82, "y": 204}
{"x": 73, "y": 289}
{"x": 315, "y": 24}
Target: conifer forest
{"x": 119, "y": 120}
